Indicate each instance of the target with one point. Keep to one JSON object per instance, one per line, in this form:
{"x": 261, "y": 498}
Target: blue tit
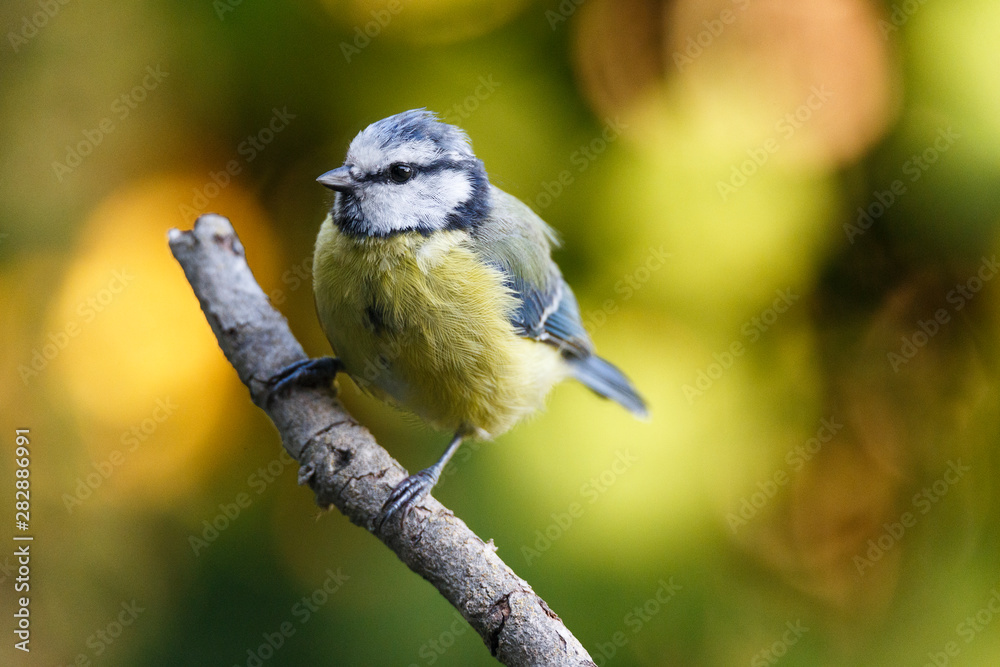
{"x": 438, "y": 292}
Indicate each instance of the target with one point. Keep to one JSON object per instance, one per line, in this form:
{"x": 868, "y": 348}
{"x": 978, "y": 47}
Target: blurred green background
{"x": 780, "y": 217}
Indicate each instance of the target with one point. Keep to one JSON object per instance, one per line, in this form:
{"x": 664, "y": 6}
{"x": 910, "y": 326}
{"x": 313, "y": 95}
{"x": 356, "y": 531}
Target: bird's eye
{"x": 400, "y": 172}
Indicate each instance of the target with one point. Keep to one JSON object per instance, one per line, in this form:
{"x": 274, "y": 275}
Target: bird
{"x": 438, "y": 293}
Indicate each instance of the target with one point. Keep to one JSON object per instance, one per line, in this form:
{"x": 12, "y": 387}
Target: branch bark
{"x": 340, "y": 460}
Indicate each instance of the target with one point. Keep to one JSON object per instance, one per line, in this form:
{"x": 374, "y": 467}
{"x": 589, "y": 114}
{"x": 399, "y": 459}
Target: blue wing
{"x": 519, "y": 243}
{"x": 550, "y": 314}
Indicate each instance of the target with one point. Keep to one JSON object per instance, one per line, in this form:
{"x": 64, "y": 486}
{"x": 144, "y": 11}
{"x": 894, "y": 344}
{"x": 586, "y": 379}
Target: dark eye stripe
{"x": 435, "y": 167}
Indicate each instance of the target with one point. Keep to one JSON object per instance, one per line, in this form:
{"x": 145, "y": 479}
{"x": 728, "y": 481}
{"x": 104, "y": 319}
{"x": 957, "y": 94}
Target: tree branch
{"x": 346, "y": 468}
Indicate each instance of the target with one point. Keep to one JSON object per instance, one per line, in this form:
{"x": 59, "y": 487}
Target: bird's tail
{"x": 604, "y": 379}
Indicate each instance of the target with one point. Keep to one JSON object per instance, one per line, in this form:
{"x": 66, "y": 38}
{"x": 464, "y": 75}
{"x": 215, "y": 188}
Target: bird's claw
{"x": 406, "y": 494}
{"x": 306, "y": 372}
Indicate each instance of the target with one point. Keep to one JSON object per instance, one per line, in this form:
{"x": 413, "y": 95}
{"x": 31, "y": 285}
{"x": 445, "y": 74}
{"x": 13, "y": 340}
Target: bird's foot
{"x": 406, "y": 494}
{"x": 308, "y": 373}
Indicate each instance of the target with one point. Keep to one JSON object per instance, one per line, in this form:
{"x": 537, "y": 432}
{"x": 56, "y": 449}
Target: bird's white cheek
{"x": 451, "y": 188}
{"x": 388, "y": 207}
{"x": 425, "y": 202}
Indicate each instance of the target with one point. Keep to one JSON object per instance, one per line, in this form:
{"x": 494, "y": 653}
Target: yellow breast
{"x": 420, "y": 322}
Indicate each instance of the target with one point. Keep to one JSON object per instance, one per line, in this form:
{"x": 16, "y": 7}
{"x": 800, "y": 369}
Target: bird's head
{"x": 408, "y": 172}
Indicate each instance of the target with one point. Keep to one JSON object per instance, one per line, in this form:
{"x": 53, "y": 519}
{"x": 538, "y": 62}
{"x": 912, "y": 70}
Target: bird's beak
{"x": 338, "y": 179}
